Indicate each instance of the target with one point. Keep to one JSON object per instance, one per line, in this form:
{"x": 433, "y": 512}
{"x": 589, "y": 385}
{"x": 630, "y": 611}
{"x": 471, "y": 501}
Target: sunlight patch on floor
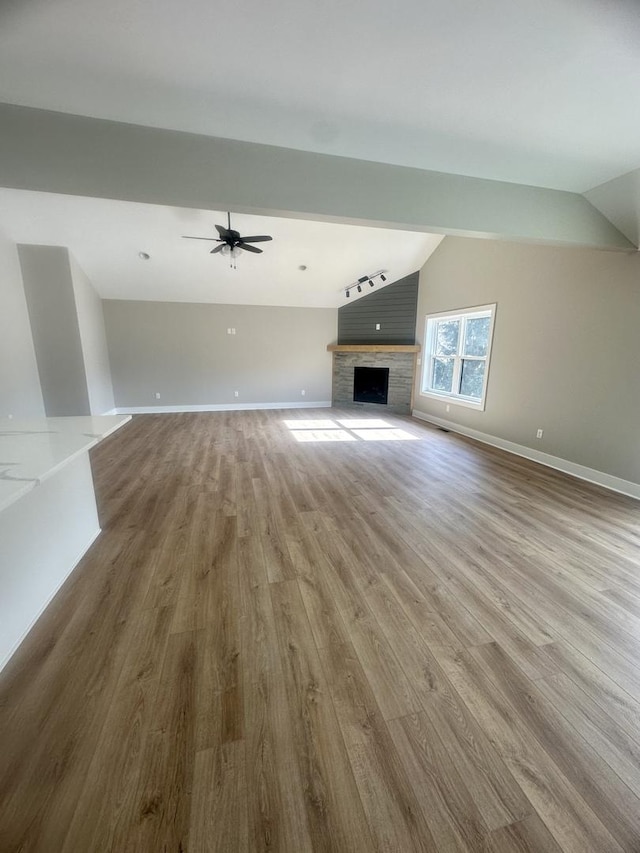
{"x": 311, "y": 424}
{"x": 322, "y": 435}
{"x": 347, "y": 429}
{"x": 384, "y": 435}
{"x": 364, "y": 423}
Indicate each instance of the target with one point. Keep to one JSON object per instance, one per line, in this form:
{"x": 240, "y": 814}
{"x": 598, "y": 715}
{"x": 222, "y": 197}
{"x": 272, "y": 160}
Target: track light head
{"x": 359, "y": 288}
{"x": 348, "y": 294}
{"x": 370, "y": 282}
{"x": 383, "y": 277}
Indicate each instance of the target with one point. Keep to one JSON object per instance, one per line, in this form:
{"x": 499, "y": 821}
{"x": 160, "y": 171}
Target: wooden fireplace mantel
{"x": 373, "y": 347}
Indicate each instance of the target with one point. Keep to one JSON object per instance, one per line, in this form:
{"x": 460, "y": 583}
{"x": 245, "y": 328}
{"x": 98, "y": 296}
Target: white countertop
{"x": 34, "y": 449}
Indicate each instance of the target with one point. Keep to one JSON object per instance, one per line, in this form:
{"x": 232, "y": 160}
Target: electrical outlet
{"x": 539, "y": 433}
{"x": 447, "y": 408}
{"x": 377, "y": 327}
{"x": 229, "y": 331}
{"x": 303, "y": 392}
{"x": 157, "y": 395}
{"x": 236, "y": 393}
{"x": 233, "y": 331}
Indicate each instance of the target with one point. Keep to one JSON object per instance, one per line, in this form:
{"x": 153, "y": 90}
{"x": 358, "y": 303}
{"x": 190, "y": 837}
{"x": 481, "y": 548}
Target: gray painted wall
{"x": 183, "y": 352}
{"x": 20, "y": 393}
{"x": 566, "y": 348}
{"x": 53, "y": 152}
{"x": 393, "y": 306}
{"x": 93, "y": 341}
{"x": 54, "y": 326}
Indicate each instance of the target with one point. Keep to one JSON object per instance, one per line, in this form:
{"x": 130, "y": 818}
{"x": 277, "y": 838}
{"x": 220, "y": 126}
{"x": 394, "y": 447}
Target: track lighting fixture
{"x": 364, "y": 279}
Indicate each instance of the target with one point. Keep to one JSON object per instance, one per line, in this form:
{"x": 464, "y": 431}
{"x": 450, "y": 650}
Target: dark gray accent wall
{"x": 393, "y": 307}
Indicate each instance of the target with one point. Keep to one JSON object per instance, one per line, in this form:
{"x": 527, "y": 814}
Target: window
{"x": 456, "y": 357}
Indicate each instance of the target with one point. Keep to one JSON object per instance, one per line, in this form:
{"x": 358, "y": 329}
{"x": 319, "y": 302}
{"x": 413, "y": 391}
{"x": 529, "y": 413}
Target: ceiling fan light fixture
{"x": 231, "y": 242}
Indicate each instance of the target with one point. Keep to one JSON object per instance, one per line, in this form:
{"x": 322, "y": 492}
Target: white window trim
{"x": 444, "y": 396}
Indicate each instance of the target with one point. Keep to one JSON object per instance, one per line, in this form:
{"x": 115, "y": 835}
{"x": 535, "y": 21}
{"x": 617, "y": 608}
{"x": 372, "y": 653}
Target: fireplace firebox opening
{"x": 370, "y": 384}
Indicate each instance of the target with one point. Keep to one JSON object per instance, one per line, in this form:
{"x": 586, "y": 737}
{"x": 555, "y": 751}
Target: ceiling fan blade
{"x": 189, "y": 237}
{"x": 249, "y": 248}
{"x": 222, "y": 231}
{"x": 261, "y": 239}
{"x": 217, "y": 249}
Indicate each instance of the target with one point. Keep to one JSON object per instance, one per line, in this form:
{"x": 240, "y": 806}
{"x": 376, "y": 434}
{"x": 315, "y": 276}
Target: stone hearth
{"x": 401, "y": 361}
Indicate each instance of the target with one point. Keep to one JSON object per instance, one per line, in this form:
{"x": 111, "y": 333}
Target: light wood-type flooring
{"x": 301, "y": 633}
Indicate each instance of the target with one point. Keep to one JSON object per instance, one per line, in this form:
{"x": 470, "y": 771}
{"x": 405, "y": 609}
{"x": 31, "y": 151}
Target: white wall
{"x": 77, "y": 155}
{"x": 183, "y": 352}
{"x": 67, "y": 326}
{"x": 54, "y": 326}
{"x": 20, "y": 393}
{"x": 566, "y": 347}
{"x": 93, "y": 341}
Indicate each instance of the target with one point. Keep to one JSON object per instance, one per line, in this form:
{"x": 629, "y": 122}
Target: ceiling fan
{"x": 230, "y": 241}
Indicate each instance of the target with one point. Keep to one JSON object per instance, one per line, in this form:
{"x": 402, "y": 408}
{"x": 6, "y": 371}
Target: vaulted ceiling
{"x": 537, "y": 94}
{"x": 107, "y": 237}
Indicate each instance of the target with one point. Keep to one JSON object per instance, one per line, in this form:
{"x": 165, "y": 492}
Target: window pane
{"x": 476, "y": 337}
{"x": 472, "y": 378}
{"x": 447, "y": 337}
{"x": 442, "y": 374}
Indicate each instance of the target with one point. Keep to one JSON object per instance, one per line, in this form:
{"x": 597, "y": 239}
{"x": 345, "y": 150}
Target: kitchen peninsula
{"x": 48, "y": 514}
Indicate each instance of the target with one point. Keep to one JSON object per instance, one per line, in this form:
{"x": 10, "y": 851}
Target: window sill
{"x": 454, "y": 401}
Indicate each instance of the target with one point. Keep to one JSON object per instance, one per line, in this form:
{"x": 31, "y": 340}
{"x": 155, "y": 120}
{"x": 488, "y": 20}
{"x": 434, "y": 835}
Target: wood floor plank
{"x": 602, "y": 733}
{"x": 598, "y": 785}
{"x": 395, "y": 693}
{"x": 106, "y": 801}
{"x": 568, "y": 817}
{"x": 162, "y": 801}
{"x": 272, "y": 534}
{"x": 54, "y": 749}
{"x": 493, "y": 789}
{"x": 336, "y": 818}
{"x": 219, "y": 804}
{"x": 449, "y": 809}
{"x": 326, "y": 621}
{"x": 394, "y": 814}
{"x": 598, "y": 686}
{"x": 527, "y": 836}
{"x": 300, "y": 646}
{"x": 277, "y": 818}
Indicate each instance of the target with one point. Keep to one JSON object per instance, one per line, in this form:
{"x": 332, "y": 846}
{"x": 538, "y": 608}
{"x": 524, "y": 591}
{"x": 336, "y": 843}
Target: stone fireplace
{"x": 399, "y": 359}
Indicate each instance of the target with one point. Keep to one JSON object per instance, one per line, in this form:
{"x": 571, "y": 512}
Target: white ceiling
{"x": 540, "y": 93}
{"x": 105, "y": 236}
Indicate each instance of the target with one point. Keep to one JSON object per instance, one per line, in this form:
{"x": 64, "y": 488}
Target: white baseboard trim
{"x": 219, "y": 407}
{"x": 615, "y": 484}
{"x": 18, "y": 642}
